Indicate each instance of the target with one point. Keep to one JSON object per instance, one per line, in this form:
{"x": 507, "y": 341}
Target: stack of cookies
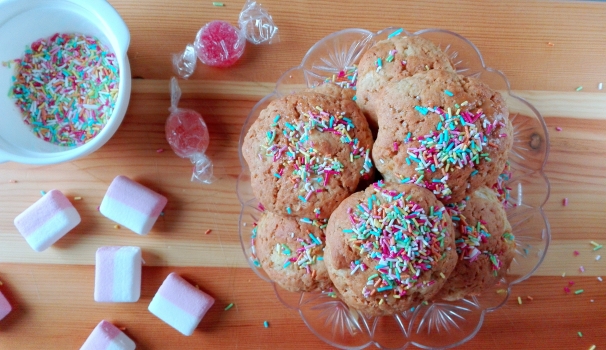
{"x": 306, "y": 153}
{"x": 433, "y": 225}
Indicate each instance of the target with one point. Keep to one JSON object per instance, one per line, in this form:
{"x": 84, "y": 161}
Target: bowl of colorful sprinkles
{"x": 64, "y": 78}
{"x": 522, "y": 188}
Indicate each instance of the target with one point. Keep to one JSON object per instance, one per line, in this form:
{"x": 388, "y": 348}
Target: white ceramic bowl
{"x": 25, "y": 21}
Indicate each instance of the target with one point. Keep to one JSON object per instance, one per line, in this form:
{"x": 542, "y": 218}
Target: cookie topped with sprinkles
{"x": 389, "y": 248}
{"x": 446, "y": 132}
{"x": 291, "y": 251}
{"x": 484, "y": 242}
{"x": 393, "y": 59}
{"x": 306, "y": 153}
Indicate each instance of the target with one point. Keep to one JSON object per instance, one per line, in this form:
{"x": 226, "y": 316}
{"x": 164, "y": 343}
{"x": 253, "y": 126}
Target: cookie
{"x": 446, "y": 132}
{"x": 485, "y": 246}
{"x": 334, "y": 90}
{"x": 306, "y": 153}
{"x": 389, "y": 248}
{"x": 392, "y": 60}
{"x": 291, "y": 252}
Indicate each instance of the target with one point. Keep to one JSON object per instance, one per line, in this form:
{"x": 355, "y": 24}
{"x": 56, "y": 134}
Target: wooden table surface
{"x": 53, "y": 291}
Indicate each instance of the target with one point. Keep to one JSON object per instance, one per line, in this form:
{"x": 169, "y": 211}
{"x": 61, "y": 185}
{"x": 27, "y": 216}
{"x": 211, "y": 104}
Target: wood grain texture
{"x": 52, "y": 291}
{"x": 512, "y": 35}
{"x": 56, "y": 311}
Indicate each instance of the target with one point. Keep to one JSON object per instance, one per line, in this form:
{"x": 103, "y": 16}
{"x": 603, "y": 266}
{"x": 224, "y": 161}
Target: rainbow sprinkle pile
{"x": 472, "y": 236}
{"x": 66, "y": 88}
{"x": 397, "y": 234}
{"x": 456, "y": 142}
{"x": 310, "y": 251}
{"x": 311, "y": 170}
{"x": 346, "y": 78}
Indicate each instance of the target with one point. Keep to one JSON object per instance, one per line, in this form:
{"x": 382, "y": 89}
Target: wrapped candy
{"x": 219, "y": 44}
{"x": 187, "y": 135}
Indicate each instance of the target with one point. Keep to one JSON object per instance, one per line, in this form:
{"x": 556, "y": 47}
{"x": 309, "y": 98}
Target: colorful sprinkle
{"x": 599, "y": 278}
{"x": 42, "y": 193}
{"x": 582, "y": 269}
{"x": 520, "y": 300}
{"x": 596, "y": 246}
{"x": 399, "y": 236}
{"x": 207, "y": 231}
{"x": 66, "y": 88}
{"x": 448, "y": 93}
{"x": 579, "y": 291}
{"x": 580, "y": 334}
{"x": 77, "y": 198}
{"x": 396, "y": 33}
{"x": 160, "y": 150}
{"x": 579, "y": 88}
{"x": 565, "y": 201}
{"x": 265, "y": 324}
{"x": 558, "y": 128}
{"x": 312, "y": 171}
{"x": 218, "y": 4}
{"x": 229, "y": 306}
{"x": 600, "y": 86}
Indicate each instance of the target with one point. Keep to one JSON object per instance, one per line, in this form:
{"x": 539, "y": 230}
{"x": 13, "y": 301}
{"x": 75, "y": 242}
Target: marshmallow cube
{"x": 132, "y": 205}
{"x": 180, "y": 304}
{"x": 5, "y": 307}
{"x": 118, "y": 275}
{"x": 47, "y": 220}
{"x": 106, "y": 336}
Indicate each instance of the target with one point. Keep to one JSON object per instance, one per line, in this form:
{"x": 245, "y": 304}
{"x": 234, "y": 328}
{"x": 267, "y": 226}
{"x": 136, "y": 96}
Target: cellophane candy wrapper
{"x": 257, "y": 24}
{"x": 187, "y": 135}
{"x": 185, "y": 62}
{"x": 219, "y": 44}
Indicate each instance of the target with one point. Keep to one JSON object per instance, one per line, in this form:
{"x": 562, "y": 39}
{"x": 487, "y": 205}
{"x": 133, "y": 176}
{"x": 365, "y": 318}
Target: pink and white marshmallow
{"x": 106, "y": 336}
{"x": 5, "y": 307}
{"x": 118, "y": 274}
{"x": 180, "y": 304}
{"x": 47, "y": 220}
{"x": 132, "y": 205}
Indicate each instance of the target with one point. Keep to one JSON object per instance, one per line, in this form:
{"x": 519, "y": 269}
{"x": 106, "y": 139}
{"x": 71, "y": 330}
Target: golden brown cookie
{"x": 448, "y": 133}
{"x": 334, "y": 90}
{"x": 484, "y": 243}
{"x": 392, "y": 60}
{"x": 307, "y": 152}
{"x": 389, "y": 248}
{"x": 291, "y": 252}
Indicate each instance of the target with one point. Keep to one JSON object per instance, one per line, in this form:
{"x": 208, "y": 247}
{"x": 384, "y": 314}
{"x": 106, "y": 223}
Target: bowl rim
{"x": 114, "y": 27}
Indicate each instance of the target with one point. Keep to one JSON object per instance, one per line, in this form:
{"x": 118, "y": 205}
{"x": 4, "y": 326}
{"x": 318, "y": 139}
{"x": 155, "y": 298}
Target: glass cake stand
{"x": 438, "y": 324}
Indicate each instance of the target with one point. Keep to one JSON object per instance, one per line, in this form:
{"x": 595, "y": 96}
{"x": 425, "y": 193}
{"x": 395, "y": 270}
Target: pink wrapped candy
{"x": 187, "y": 135}
{"x": 219, "y": 44}
{"x": 186, "y": 132}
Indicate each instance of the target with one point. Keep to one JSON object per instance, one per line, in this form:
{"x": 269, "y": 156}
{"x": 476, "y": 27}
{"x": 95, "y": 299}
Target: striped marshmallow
{"x": 118, "y": 274}
{"x": 47, "y": 220}
{"x": 106, "y": 336}
{"x": 5, "y": 307}
{"x": 132, "y": 205}
{"x": 180, "y": 304}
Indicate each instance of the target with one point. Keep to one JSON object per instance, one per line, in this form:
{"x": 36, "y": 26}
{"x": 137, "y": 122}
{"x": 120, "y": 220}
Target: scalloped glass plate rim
{"x": 540, "y": 171}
